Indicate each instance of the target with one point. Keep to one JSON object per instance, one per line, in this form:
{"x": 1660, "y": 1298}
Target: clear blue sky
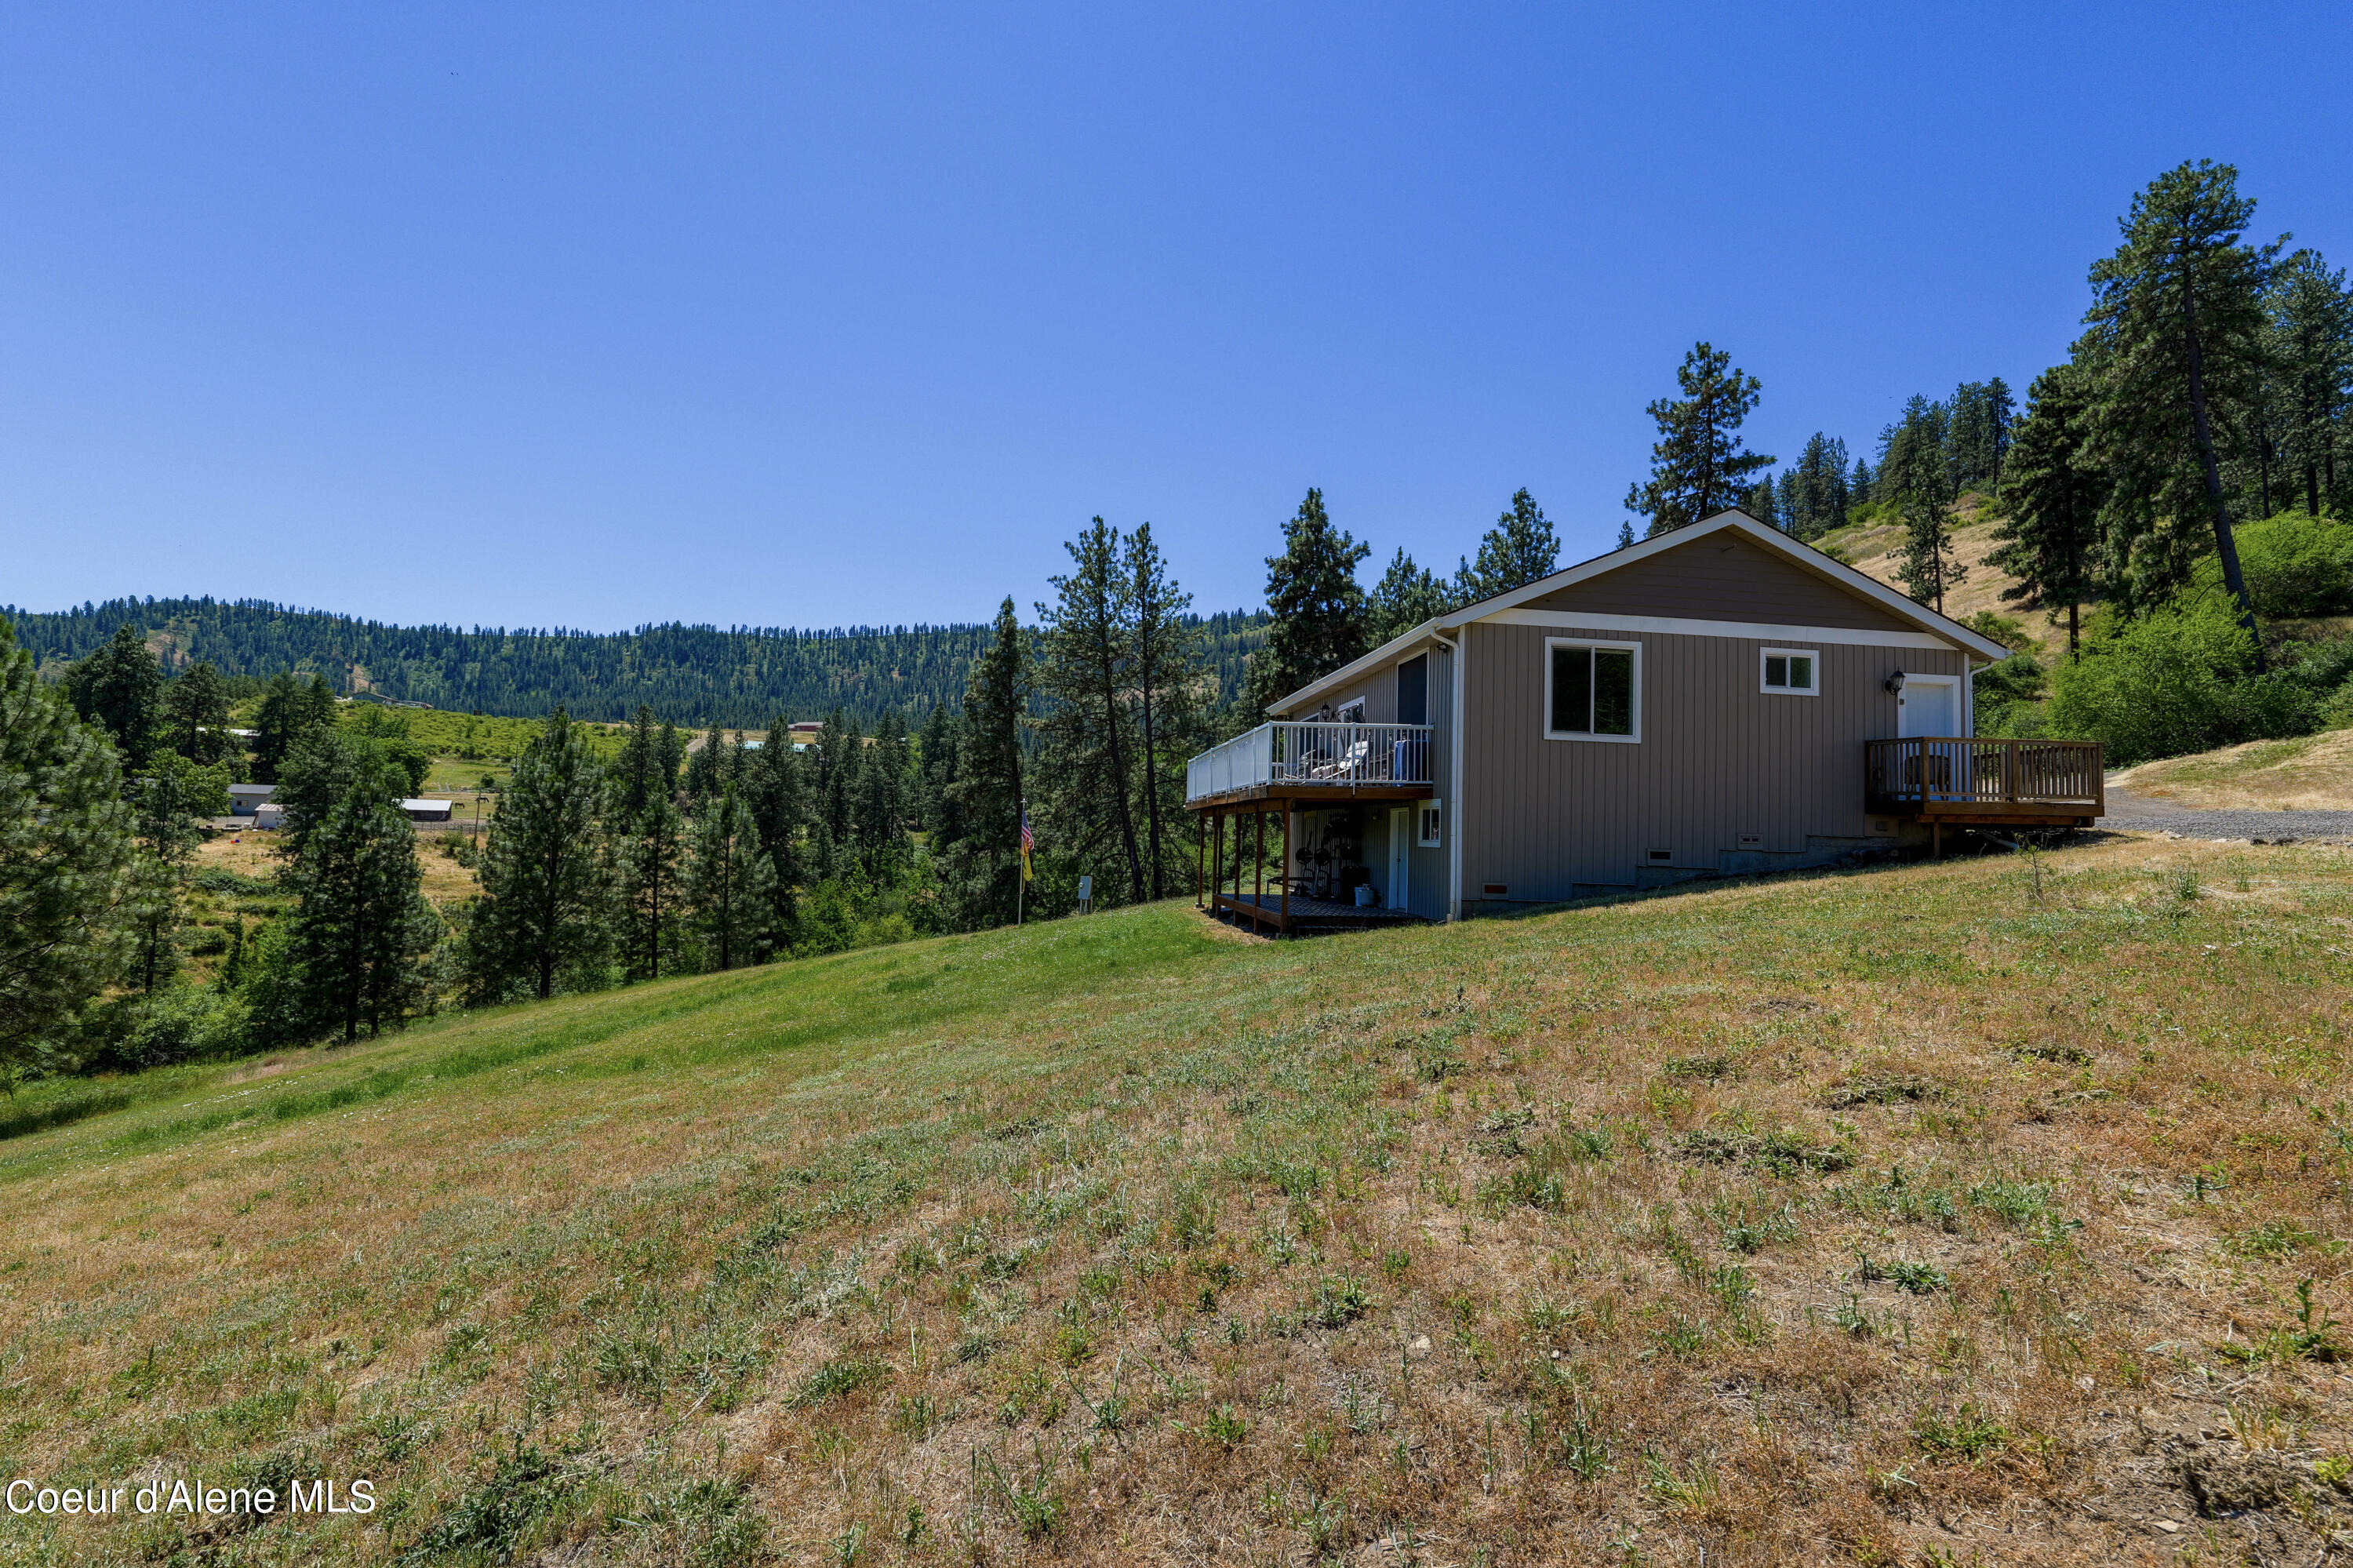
{"x": 589, "y": 316}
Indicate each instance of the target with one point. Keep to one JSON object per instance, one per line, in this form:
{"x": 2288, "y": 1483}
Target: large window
{"x": 1593, "y": 691}
{"x": 1790, "y": 673}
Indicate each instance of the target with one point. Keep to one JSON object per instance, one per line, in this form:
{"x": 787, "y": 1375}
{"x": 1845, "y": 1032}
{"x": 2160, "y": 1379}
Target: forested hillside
{"x": 692, "y": 674}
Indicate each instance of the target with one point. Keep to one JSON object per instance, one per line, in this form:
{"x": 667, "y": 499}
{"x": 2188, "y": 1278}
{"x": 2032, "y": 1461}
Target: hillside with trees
{"x": 696, "y": 675}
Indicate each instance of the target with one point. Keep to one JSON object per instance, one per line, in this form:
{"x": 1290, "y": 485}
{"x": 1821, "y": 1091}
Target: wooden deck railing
{"x": 1950, "y": 776}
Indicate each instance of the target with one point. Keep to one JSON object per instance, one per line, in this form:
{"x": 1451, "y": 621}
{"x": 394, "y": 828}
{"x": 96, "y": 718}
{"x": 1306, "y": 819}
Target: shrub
{"x": 2295, "y": 565}
{"x": 180, "y": 1023}
{"x": 2179, "y": 679}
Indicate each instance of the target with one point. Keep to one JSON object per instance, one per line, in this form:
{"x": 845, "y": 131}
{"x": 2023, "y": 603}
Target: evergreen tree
{"x": 645, "y": 771}
{"x": 1165, "y": 664}
{"x": 841, "y": 756}
{"x": 542, "y": 916}
{"x": 1698, "y": 467}
{"x": 730, "y": 885}
{"x": 1406, "y": 596}
{"x": 646, "y": 846}
{"x": 1086, "y": 650}
{"x": 2048, "y": 538}
{"x": 1762, "y": 504}
{"x": 66, "y": 851}
{"x": 2176, "y": 335}
{"x": 120, "y": 689}
{"x": 1520, "y": 548}
{"x": 710, "y": 768}
{"x": 360, "y": 931}
{"x": 937, "y": 768}
{"x": 1859, "y": 484}
{"x": 776, "y": 791}
{"x": 878, "y": 803}
{"x": 291, "y": 708}
{"x": 171, "y": 799}
{"x": 1819, "y": 488}
{"x": 983, "y": 866}
{"x": 1317, "y": 608}
{"x": 1977, "y": 434}
{"x": 2312, "y": 347}
{"x": 1914, "y": 474}
{"x": 195, "y": 714}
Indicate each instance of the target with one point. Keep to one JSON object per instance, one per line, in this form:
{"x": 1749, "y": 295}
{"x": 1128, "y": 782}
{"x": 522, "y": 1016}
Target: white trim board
{"x": 1679, "y": 626}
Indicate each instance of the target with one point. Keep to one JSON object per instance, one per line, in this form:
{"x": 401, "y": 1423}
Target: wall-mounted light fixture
{"x": 1895, "y": 684}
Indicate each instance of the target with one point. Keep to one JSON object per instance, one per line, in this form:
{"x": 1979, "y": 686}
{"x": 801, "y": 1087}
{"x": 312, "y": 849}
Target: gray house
{"x": 1719, "y": 700}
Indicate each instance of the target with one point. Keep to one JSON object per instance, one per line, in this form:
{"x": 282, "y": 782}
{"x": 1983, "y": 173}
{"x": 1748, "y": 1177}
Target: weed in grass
{"x": 1396, "y": 1264}
{"x": 1710, "y": 1068}
{"x": 1695, "y": 1490}
{"x": 1225, "y": 1426}
{"x": 2065, "y": 1055}
{"x": 1731, "y": 1285}
{"x": 497, "y": 1520}
{"x": 1747, "y": 1228}
{"x": 2312, "y": 1337}
{"x": 1920, "y": 1278}
{"x": 1885, "y": 1089}
{"x": 835, "y": 1378}
{"x": 1967, "y": 1433}
{"x": 1338, "y": 1302}
{"x": 2273, "y": 1241}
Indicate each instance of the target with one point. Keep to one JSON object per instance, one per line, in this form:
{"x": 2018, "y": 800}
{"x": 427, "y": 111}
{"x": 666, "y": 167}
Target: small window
{"x": 1428, "y": 822}
{"x": 1791, "y": 671}
{"x": 1593, "y": 691}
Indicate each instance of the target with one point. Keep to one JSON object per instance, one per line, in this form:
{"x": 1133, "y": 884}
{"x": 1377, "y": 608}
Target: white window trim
{"x": 1595, "y": 642}
{"x": 1357, "y": 701}
{"x": 1428, "y": 812}
{"x": 1813, "y": 653}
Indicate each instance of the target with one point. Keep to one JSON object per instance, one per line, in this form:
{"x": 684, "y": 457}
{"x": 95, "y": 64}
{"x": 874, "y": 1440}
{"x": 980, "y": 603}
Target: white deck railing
{"x": 1332, "y": 756}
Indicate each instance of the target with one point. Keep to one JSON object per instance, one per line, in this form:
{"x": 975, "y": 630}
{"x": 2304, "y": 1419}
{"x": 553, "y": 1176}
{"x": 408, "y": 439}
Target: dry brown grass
{"x": 2310, "y": 773}
{"x": 1946, "y": 1208}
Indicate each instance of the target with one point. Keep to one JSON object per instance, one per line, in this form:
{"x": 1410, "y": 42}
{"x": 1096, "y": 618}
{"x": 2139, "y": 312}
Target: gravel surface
{"x": 2131, "y": 813}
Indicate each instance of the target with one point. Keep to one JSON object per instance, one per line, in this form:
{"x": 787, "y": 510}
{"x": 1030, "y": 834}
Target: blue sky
{"x": 588, "y": 317}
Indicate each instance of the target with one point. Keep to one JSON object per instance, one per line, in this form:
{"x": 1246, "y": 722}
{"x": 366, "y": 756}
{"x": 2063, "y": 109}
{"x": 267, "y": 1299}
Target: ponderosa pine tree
{"x": 1913, "y": 473}
{"x": 292, "y": 708}
{"x": 1406, "y": 596}
{"x": 1086, "y": 650}
{"x": 2178, "y": 333}
{"x": 543, "y": 915}
{"x": 943, "y": 819}
{"x": 774, "y": 787}
{"x": 1764, "y": 503}
{"x": 66, "y": 849}
{"x": 1819, "y": 487}
{"x": 195, "y": 714}
{"x": 2048, "y": 538}
{"x": 1520, "y": 548}
{"x": 360, "y": 931}
{"x": 120, "y": 688}
{"x": 878, "y": 806}
{"x": 171, "y": 797}
{"x": 646, "y": 846}
{"x": 982, "y": 868}
{"x": 1698, "y": 467}
{"x": 1316, "y": 606}
{"x": 1165, "y": 670}
{"x": 2312, "y": 354}
{"x": 1977, "y": 434}
{"x": 730, "y": 885}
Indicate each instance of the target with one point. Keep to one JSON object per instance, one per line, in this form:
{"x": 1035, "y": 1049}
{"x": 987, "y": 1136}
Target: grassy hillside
{"x": 1953, "y": 1206}
{"x": 2311, "y": 773}
{"x": 1876, "y": 549}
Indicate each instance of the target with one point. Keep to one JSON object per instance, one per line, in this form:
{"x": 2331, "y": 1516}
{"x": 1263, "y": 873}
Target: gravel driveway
{"x": 2135, "y": 814}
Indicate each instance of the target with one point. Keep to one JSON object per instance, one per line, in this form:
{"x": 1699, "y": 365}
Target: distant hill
{"x": 692, "y": 674}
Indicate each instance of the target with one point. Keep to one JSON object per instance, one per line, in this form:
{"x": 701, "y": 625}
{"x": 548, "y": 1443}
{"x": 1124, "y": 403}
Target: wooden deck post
{"x": 1283, "y": 877}
{"x": 1258, "y": 889}
{"x": 1200, "y": 853}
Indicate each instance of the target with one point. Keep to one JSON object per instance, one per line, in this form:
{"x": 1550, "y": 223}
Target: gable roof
{"x": 1803, "y": 556}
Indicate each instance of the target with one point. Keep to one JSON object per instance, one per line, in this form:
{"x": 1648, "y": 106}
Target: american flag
{"x": 1028, "y": 839}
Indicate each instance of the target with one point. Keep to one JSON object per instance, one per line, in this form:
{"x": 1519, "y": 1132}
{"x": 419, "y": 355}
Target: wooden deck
{"x": 1300, "y": 914}
{"x": 1982, "y": 782}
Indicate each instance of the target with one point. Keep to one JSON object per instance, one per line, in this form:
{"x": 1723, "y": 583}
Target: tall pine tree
{"x": 2178, "y": 336}
{"x": 982, "y": 867}
{"x": 1698, "y": 466}
{"x": 1085, "y": 657}
{"x": 120, "y": 688}
{"x": 362, "y": 929}
{"x": 1520, "y": 548}
{"x": 543, "y": 918}
{"x": 730, "y": 885}
{"x": 2048, "y": 538}
{"x": 1166, "y": 664}
{"x": 1317, "y": 610}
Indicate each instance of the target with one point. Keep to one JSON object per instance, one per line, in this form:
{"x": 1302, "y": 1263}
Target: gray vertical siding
{"x": 1718, "y": 758}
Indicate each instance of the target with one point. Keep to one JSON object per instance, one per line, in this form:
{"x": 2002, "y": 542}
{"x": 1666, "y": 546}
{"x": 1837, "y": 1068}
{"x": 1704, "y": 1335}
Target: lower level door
{"x": 1400, "y": 854}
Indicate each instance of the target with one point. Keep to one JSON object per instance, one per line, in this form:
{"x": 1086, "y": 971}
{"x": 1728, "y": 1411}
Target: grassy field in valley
{"x": 1989, "y": 1210}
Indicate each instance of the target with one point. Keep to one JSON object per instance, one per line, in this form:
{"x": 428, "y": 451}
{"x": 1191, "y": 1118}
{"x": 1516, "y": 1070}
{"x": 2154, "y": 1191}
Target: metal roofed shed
{"x": 428, "y": 810}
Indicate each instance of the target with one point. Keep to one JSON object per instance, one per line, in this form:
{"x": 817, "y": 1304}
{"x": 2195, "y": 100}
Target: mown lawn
{"x": 1956, "y": 1209}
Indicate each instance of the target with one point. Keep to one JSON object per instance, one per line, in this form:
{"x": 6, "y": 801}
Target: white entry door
{"x": 1400, "y": 849}
{"x": 1929, "y": 705}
